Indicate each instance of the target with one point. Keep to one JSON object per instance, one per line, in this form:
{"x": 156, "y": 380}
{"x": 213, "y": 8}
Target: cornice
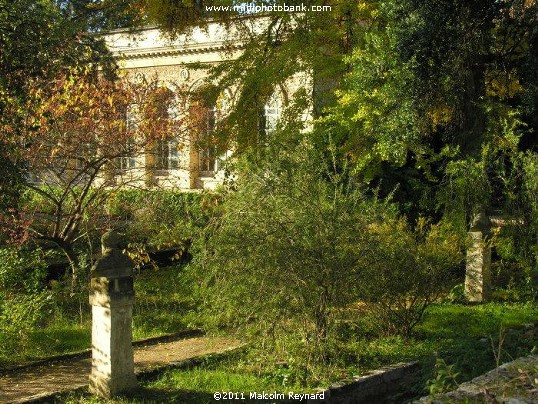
{"x": 173, "y": 51}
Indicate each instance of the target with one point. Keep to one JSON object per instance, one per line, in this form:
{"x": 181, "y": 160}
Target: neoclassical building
{"x": 147, "y": 53}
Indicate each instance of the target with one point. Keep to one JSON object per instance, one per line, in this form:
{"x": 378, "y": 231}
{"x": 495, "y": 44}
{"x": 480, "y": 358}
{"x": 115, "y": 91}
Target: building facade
{"x": 179, "y": 64}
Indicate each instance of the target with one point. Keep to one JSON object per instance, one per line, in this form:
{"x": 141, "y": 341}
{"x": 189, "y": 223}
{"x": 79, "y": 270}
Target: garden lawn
{"x": 161, "y": 304}
{"x": 465, "y": 336}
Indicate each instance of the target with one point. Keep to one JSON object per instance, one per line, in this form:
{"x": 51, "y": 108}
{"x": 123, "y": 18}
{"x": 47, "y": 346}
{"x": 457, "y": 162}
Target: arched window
{"x": 167, "y": 151}
{"x": 167, "y": 155}
{"x": 210, "y": 160}
{"x": 208, "y": 155}
{"x": 127, "y": 161}
{"x": 270, "y": 116}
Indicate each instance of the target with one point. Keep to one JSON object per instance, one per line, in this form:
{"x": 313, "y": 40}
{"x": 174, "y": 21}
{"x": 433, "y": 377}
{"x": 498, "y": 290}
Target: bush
{"x": 163, "y": 218}
{"x": 19, "y": 316}
{"x": 413, "y": 269}
{"x": 297, "y": 244}
{"x": 515, "y": 275}
{"x": 23, "y": 301}
{"x": 21, "y": 270}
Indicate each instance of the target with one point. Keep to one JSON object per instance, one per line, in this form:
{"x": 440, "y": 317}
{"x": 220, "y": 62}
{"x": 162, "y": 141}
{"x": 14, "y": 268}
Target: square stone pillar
{"x": 478, "y": 262}
{"x": 112, "y": 298}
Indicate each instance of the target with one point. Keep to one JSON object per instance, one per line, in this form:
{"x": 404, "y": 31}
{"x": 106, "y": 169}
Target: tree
{"x": 278, "y": 47}
{"x": 435, "y": 89}
{"x": 104, "y": 15}
{"x": 80, "y": 134}
{"x": 40, "y": 39}
{"x": 437, "y": 103}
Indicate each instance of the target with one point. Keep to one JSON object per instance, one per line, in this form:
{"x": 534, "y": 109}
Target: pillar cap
{"x": 481, "y": 223}
{"x": 114, "y": 263}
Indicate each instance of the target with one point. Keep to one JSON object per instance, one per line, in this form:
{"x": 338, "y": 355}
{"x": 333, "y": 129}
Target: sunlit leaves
{"x": 80, "y": 114}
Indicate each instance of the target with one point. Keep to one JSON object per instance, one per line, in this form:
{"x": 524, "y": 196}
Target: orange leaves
{"x": 80, "y": 115}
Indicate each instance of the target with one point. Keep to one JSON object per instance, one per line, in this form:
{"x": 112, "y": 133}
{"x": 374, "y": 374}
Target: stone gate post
{"x": 112, "y": 298}
{"x": 478, "y": 261}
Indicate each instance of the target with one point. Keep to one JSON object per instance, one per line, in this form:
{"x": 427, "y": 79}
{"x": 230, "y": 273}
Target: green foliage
{"x": 436, "y": 105}
{"x": 450, "y": 332}
{"x": 38, "y": 40}
{"x": 528, "y": 245}
{"x": 23, "y": 301}
{"x": 296, "y": 245}
{"x": 216, "y": 377}
{"x": 164, "y": 302}
{"x": 161, "y": 218}
{"x": 21, "y": 271}
{"x": 287, "y": 249}
{"x": 516, "y": 271}
{"x": 104, "y": 15}
{"x": 53, "y": 319}
{"x": 19, "y": 316}
{"x": 177, "y": 16}
{"x": 412, "y": 270}
{"x": 277, "y": 52}
{"x": 465, "y": 188}
{"x": 444, "y": 378}
{"x": 457, "y": 294}
{"x": 375, "y": 120}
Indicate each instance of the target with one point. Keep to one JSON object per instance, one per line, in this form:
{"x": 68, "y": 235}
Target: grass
{"x": 60, "y": 339}
{"x": 462, "y": 335}
{"x": 196, "y": 385}
{"x": 466, "y": 336}
{"x": 161, "y": 305}
{"x": 163, "y": 302}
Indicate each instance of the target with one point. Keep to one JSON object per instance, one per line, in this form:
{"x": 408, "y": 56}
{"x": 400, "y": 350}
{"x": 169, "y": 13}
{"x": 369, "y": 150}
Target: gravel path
{"x": 21, "y": 385}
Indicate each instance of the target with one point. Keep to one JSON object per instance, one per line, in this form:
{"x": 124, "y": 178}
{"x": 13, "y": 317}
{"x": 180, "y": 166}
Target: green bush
{"x": 23, "y": 301}
{"x": 19, "y": 316}
{"x": 297, "y": 244}
{"x": 414, "y": 267}
{"x": 160, "y": 219}
{"x": 515, "y": 274}
{"x": 21, "y": 270}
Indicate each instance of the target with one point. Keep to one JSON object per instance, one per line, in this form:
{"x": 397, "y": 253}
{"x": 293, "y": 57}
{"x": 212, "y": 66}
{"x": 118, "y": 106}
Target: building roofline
{"x": 151, "y": 27}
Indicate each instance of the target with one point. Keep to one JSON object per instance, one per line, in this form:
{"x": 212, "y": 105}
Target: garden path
{"x": 33, "y": 382}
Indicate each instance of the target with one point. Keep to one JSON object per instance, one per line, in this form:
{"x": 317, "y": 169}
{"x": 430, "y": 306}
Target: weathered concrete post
{"x": 112, "y": 298}
{"x": 478, "y": 266}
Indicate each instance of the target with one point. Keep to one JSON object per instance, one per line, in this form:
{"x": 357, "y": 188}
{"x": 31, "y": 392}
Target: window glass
{"x": 271, "y": 114}
{"x": 210, "y": 161}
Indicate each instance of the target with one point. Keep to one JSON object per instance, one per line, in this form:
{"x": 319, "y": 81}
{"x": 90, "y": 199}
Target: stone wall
{"x": 387, "y": 384}
{"x": 514, "y": 382}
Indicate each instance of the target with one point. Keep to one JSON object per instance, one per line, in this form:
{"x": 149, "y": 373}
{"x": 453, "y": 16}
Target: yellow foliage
{"x": 502, "y": 85}
{"x": 440, "y": 114}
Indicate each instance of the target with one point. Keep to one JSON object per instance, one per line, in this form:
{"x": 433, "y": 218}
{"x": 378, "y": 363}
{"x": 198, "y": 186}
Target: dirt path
{"x": 22, "y": 385}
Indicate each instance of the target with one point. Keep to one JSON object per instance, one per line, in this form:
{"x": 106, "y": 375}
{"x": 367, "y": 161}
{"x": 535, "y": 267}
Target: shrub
{"x": 23, "y": 301}
{"x": 21, "y": 270}
{"x": 297, "y": 243}
{"x": 19, "y": 316}
{"x": 516, "y": 244}
{"x": 413, "y": 269}
{"x": 161, "y": 218}
{"x": 286, "y": 251}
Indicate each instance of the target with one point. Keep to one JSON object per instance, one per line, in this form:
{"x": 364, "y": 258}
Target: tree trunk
{"x": 73, "y": 264}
